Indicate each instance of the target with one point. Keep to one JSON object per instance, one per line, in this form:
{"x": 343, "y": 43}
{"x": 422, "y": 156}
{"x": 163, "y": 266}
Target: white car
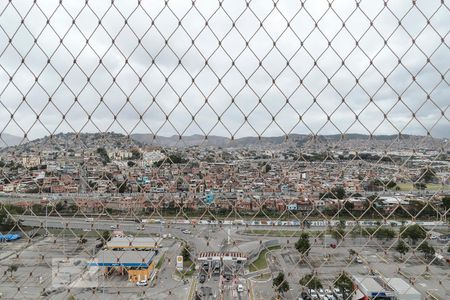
{"x": 337, "y": 292}
{"x": 113, "y": 226}
{"x": 313, "y": 294}
{"x": 240, "y": 288}
{"x": 142, "y": 282}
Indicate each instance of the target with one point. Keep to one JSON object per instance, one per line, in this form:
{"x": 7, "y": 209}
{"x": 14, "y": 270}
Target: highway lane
{"x": 201, "y": 237}
{"x": 166, "y": 227}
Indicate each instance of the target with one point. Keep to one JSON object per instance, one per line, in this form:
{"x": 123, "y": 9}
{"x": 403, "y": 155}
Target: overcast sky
{"x": 252, "y": 86}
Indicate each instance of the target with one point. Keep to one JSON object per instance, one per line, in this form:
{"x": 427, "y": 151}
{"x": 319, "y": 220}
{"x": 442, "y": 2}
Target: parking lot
{"x": 221, "y": 279}
{"x": 327, "y": 263}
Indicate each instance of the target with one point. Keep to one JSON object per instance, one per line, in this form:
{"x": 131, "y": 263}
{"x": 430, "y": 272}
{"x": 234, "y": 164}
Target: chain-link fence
{"x": 224, "y": 149}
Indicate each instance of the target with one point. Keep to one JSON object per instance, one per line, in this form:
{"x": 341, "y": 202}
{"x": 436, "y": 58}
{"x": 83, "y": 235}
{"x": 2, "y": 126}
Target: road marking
{"x": 192, "y": 289}
{"x": 252, "y": 297}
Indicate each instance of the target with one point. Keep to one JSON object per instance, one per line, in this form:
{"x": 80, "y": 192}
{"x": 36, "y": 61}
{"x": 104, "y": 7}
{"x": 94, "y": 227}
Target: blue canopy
{"x": 9, "y": 237}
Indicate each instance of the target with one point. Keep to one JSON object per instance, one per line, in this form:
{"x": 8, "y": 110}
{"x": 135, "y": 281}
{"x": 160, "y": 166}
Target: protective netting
{"x": 224, "y": 149}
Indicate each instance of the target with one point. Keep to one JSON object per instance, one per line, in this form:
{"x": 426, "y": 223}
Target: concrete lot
{"x": 38, "y": 262}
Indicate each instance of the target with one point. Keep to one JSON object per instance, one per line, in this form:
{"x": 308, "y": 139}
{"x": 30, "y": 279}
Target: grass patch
{"x": 263, "y": 277}
{"x": 188, "y": 271}
{"x": 430, "y": 187}
{"x": 160, "y": 262}
{"x": 261, "y": 262}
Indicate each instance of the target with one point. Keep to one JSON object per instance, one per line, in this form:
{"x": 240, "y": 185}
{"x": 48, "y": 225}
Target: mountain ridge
{"x": 141, "y": 139}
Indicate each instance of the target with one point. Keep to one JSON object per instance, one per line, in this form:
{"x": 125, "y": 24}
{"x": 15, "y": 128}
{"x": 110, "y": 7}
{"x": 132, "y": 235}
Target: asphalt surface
{"x": 204, "y": 237}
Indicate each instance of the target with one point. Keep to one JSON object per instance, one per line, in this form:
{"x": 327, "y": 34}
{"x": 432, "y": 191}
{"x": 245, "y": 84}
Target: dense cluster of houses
{"x": 237, "y": 179}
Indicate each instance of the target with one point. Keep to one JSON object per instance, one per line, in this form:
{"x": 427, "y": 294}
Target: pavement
{"x": 38, "y": 259}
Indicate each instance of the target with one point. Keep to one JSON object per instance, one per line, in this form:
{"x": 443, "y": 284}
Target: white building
{"x": 403, "y": 290}
{"x": 152, "y": 156}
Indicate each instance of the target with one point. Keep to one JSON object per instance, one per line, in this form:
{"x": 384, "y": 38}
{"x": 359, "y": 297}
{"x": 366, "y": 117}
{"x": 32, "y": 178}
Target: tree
{"x": 349, "y": 206}
{"x": 59, "y": 206}
{"x": 303, "y": 245}
{"x": 171, "y": 159}
{"x": 106, "y": 235}
{"x": 337, "y": 192}
{"x": 446, "y": 202}
{"x": 344, "y": 283}
{"x": 12, "y": 269}
{"x": 186, "y": 253}
{"x": 420, "y": 185}
{"x": 401, "y": 247}
{"x": 391, "y": 184}
{"x": 385, "y": 233}
{"x": 338, "y": 233}
{"x": 280, "y": 284}
{"x": 82, "y": 239}
{"x": 427, "y": 249}
{"x": 136, "y": 154}
{"x": 37, "y": 208}
{"x": 122, "y": 186}
{"x": 311, "y": 281}
{"x": 414, "y": 233}
{"x": 103, "y": 155}
{"x": 427, "y": 175}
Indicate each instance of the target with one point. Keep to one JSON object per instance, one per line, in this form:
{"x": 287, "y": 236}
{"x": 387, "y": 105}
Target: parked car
{"x": 337, "y": 292}
{"x": 321, "y": 293}
{"x": 142, "y": 282}
{"x": 205, "y": 266}
{"x": 202, "y": 278}
{"x": 227, "y": 276}
{"x": 330, "y": 295}
{"x": 304, "y": 296}
{"x": 443, "y": 238}
{"x": 240, "y": 288}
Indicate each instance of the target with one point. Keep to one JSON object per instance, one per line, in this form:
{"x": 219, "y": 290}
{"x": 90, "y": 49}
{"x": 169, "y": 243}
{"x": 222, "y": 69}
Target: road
{"x": 204, "y": 237}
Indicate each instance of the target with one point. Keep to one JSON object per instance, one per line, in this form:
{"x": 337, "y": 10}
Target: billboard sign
{"x": 179, "y": 263}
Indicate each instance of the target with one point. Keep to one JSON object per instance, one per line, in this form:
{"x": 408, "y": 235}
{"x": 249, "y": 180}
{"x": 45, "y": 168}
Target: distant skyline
{"x": 7, "y": 135}
{"x": 252, "y": 86}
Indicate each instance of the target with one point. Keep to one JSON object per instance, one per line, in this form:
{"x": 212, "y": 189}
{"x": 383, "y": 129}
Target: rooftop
{"x": 130, "y": 259}
{"x": 372, "y": 286}
{"x": 133, "y": 242}
{"x": 401, "y": 287}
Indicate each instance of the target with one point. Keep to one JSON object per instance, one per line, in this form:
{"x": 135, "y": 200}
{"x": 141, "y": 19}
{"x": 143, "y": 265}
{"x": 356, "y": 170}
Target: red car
{"x": 333, "y": 246}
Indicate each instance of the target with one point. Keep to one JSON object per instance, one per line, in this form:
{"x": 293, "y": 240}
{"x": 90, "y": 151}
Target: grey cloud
{"x": 233, "y": 84}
